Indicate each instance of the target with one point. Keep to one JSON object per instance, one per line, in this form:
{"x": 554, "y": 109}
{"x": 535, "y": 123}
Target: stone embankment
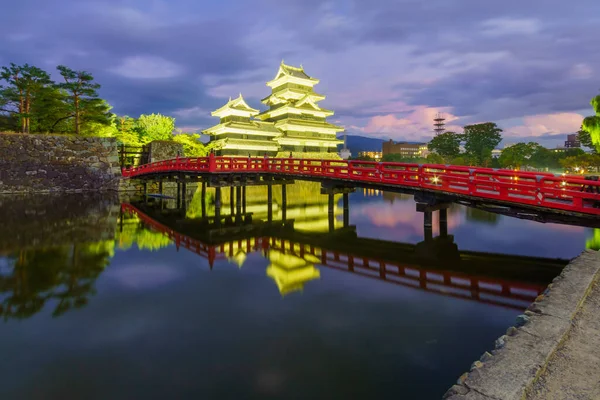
{"x": 553, "y": 352}
{"x": 57, "y": 163}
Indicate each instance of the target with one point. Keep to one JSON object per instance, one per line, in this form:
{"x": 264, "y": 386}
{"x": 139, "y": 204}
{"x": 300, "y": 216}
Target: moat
{"x": 99, "y": 302}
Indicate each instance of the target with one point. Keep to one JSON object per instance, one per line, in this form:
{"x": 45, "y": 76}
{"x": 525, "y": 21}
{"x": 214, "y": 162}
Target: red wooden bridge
{"x": 484, "y": 289}
{"x": 539, "y": 190}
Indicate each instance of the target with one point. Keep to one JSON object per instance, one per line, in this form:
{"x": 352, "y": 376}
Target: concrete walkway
{"x": 573, "y": 372}
{"x": 553, "y": 352}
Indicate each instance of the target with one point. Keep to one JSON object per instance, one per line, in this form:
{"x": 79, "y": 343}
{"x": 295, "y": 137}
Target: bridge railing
{"x": 543, "y": 189}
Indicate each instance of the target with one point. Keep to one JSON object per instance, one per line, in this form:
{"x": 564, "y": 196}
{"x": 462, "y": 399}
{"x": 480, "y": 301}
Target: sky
{"x": 386, "y": 66}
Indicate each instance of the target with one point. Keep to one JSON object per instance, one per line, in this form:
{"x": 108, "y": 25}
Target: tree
{"x": 51, "y": 113}
{"x": 581, "y": 162}
{"x": 591, "y": 124}
{"x": 192, "y": 146}
{"x": 446, "y": 144}
{"x": 155, "y": 127}
{"x": 126, "y": 131}
{"x": 480, "y": 140}
{"x": 25, "y": 83}
{"x": 586, "y": 140}
{"x": 435, "y": 158}
{"x": 83, "y": 101}
{"x": 544, "y": 158}
{"x": 517, "y": 155}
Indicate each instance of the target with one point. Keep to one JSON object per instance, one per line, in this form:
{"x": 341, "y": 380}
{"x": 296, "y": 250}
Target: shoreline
{"x": 521, "y": 356}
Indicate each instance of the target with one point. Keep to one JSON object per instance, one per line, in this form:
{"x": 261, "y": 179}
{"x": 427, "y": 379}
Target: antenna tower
{"x": 439, "y": 124}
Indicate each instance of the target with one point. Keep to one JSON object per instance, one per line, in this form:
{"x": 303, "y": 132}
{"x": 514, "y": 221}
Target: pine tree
{"x": 26, "y": 83}
{"x": 83, "y": 100}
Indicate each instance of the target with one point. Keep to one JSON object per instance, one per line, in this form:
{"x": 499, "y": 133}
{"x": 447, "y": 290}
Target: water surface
{"x": 99, "y": 303}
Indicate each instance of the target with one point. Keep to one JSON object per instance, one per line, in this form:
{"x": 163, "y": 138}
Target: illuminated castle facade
{"x": 294, "y": 122}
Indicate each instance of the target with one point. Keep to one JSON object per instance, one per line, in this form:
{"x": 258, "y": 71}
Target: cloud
{"x": 147, "y": 67}
{"x": 510, "y": 26}
{"x": 548, "y": 124}
{"x": 382, "y": 64}
{"x": 415, "y": 125}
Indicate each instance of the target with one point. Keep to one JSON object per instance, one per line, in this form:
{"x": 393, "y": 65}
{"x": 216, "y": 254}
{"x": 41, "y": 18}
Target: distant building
{"x": 372, "y": 154}
{"x": 439, "y": 124}
{"x": 572, "y": 141}
{"x": 405, "y": 149}
{"x": 496, "y": 153}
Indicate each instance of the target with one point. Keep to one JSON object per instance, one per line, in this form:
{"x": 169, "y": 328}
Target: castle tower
{"x": 294, "y": 111}
{"x": 238, "y": 134}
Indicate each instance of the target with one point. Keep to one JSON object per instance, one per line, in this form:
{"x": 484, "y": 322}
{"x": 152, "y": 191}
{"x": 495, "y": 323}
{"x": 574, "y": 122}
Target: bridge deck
{"x": 529, "y": 189}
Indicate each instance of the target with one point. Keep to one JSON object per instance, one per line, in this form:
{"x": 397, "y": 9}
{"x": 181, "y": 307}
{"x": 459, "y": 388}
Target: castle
{"x": 293, "y": 124}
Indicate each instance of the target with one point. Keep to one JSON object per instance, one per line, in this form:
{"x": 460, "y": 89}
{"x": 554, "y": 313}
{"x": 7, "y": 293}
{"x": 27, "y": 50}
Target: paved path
{"x": 553, "y": 353}
{"x": 573, "y": 372}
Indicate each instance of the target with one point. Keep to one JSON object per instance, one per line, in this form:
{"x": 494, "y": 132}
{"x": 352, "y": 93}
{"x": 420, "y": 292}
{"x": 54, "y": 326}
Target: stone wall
{"x": 164, "y": 150}
{"x": 61, "y": 163}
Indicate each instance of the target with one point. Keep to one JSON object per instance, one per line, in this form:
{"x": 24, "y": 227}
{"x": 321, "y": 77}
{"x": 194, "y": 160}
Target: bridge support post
{"x": 178, "y": 194}
{"x": 428, "y": 225}
{"x": 231, "y": 201}
{"x": 443, "y": 214}
{"x": 203, "y": 199}
{"x": 270, "y": 202}
{"x": 145, "y": 184}
{"x": 330, "y": 213}
{"x": 238, "y": 204}
{"x": 244, "y": 199}
{"x": 346, "y": 210}
{"x": 183, "y": 195}
{"x": 283, "y": 202}
{"x": 160, "y": 187}
{"x": 218, "y": 206}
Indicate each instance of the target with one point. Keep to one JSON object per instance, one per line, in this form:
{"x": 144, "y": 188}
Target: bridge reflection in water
{"x": 218, "y": 227}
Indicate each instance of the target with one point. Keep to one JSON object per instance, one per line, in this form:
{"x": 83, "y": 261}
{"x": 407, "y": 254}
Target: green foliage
{"x": 362, "y": 158}
{"x": 593, "y": 242}
{"x": 126, "y": 131}
{"x": 584, "y": 161}
{"x": 463, "y": 159}
{"x": 155, "y": 127}
{"x": 544, "y": 158}
{"x": 82, "y": 98}
{"x": 192, "y": 146}
{"x": 480, "y": 140}
{"x": 591, "y": 124}
{"x": 517, "y": 155}
{"x": 446, "y": 145}
{"x": 402, "y": 159}
{"x": 31, "y": 102}
{"x": 26, "y": 83}
{"x": 586, "y": 140}
{"x": 435, "y": 158}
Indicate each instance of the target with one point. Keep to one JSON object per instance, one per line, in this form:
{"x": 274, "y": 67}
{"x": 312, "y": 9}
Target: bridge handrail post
{"x": 212, "y": 164}
{"x": 350, "y": 169}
